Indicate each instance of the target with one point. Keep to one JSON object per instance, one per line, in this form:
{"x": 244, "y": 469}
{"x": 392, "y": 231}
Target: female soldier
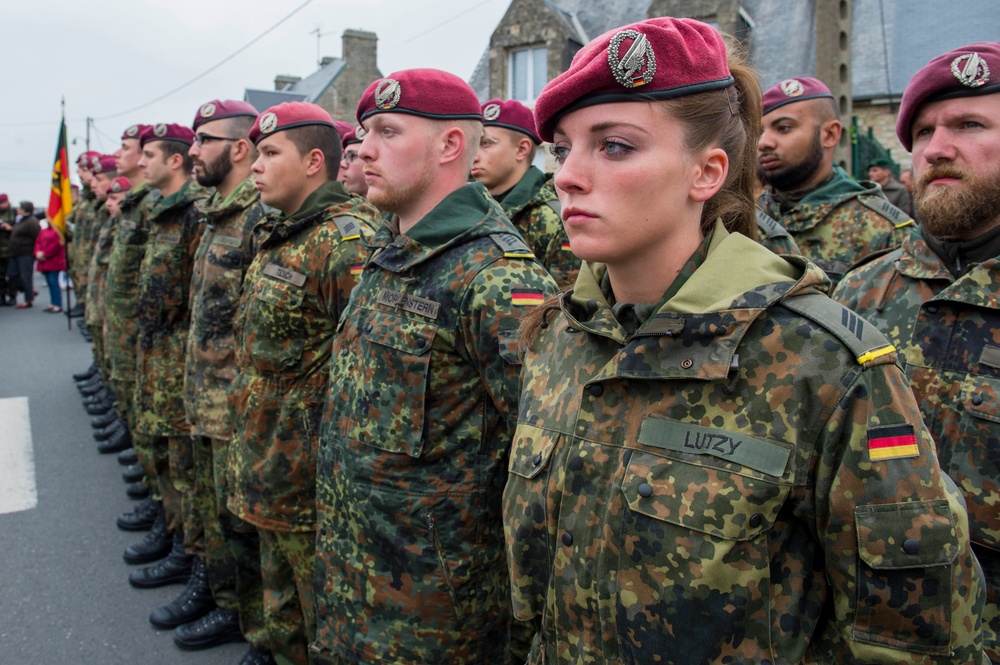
{"x": 714, "y": 463}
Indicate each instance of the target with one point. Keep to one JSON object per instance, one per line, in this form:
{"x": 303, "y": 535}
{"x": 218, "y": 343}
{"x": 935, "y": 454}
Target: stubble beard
{"x": 390, "y": 198}
{"x": 949, "y": 211}
{"x": 794, "y": 177}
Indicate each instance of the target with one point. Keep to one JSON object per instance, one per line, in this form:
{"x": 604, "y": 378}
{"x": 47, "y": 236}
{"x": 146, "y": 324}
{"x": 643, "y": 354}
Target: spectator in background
{"x": 22, "y": 252}
{"x": 880, "y": 171}
{"x": 50, "y": 252}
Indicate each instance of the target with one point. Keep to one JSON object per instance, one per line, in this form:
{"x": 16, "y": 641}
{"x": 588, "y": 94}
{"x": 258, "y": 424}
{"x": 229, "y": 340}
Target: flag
{"x": 61, "y": 196}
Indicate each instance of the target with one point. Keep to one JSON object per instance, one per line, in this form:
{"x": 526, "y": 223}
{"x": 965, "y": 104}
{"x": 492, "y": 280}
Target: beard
{"x": 217, "y": 171}
{"x": 795, "y": 176}
{"x": 390, "y": 198}
{"x": 964, "y": 212}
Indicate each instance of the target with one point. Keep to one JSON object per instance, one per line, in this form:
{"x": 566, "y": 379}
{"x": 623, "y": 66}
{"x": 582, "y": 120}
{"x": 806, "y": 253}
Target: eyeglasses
{"x": 202, "y": 139}
{"x": 349, "y": 156}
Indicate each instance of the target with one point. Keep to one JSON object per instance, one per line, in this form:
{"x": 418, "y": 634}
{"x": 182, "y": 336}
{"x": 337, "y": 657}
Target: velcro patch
{"x": 127, "y": 224}
{"x": 414, "y": 304}
{"x": 284, "y": 274}
{"x": 172, "y": 238}
{"x": 735, "y": 447}
{"x": 512, "y": 246}
{"x": 892, "y": 442}
{"x": 227, "y": 241}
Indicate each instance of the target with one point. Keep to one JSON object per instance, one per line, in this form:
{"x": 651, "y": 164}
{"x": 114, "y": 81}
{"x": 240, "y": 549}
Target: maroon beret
{"x": 166, "y": 132}
{"x": 4, "y": 198}
{"x": 288, "y": 115}
{"x": 660, "y": 58}
{"x": 430, "y": 93}
{"x": 117, "y": 185}
{"x": 133, "y": 132}
{"x": 356, "y": 135}
{"x": 217, "y": 109}
{"x": 343, "y": 128}
{"x": 83, "y": 161}
{"x": 797, "y": 89}
{"x": 963, "y": 72}
{"x": 102, "y": 163}
{"x": 510, "y": 114}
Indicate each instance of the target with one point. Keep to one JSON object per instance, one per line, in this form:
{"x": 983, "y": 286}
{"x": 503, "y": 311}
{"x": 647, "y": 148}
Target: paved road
{"x": 64, "y": 592}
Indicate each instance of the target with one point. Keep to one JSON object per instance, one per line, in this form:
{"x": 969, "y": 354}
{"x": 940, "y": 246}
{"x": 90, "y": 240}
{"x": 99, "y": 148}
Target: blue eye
{"x": 616, "y": 149}
{"x": 559, "y": 152}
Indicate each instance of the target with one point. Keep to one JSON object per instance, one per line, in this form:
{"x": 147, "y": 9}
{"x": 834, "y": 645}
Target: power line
{"x": 213, "y": 67}
{"x": 183, "y": 85}
{"x": 439, "y": 25}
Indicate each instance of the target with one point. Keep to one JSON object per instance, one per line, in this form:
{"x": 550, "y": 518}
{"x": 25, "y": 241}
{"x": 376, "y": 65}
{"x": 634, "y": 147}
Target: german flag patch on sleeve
{"x": 565, "y": 246}
{"x": 892, "y": 442}
{"x": 357, "y": 268}
{"x": 526, "y": 297}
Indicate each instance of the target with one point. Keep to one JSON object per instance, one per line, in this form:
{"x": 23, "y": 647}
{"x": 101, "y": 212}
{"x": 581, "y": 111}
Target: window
{"x": 528, "y": 73}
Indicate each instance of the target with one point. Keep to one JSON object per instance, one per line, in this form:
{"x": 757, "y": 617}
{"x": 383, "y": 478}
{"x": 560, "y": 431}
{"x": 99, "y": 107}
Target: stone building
{"x": 336, "y": 86}
{"x": 864, "y": 50}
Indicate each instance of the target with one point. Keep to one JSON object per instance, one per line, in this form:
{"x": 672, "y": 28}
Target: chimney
{"x": 326, "y": 60}
{"x": 285, "y": 81}
{"x": 360, "y": 46}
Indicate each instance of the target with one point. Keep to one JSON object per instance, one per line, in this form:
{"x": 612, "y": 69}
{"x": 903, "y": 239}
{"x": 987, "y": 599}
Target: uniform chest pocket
{"x": 694, "y": 548}
{"x": 390, "y": 408}
{"x": 974, "y": 464}
{"x": 274, "y": 327}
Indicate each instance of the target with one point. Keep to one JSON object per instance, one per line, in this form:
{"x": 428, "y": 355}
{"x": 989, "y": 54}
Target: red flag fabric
{"x": 61, "y": 196}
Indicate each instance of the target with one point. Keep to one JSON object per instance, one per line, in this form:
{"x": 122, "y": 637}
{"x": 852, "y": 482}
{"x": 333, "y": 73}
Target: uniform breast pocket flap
{"x": 531, "y": 450}
{"x": 701, "y": 498}
{"x": 279, "y": 294}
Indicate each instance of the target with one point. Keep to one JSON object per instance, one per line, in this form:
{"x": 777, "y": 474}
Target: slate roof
{"x": 783, "y": 39}
{"x": 265, "y": 99}
{"x": 309, "y": 89}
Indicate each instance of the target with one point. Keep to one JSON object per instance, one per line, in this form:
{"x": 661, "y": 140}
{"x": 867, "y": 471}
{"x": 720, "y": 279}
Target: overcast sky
{"x": 109, "y": 56}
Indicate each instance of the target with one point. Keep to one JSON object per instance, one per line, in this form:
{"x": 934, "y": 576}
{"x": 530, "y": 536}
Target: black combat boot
{"x": 256, "y": 656}
{"x": 100, "y": 422}
{"x": 175, "y": 569}
{"x": 128, "y": 457}
{"x": 142, "y": 518}
{"x": 119, "y": 441}
{"x": 99, "y": 408}
{"x": 106, "y": 433}
{"x": 88, "y": 373}
{"x": 217, "y": 627}
{"x": 133, "y": 474}
{"x": 193, "y": 603}
{"x": 156, "y": 544}
{"x": 91, "y": 388}
{"x": 136, "y": 490}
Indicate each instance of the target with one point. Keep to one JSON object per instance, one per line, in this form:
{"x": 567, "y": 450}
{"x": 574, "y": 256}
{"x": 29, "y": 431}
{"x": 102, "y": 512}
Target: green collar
{"x": 242, "y": 196}
{"x": 328, "y": 194}
{"x": 840, "y": 187}
{"x": 453, "y": 216}
{"x": 523, "y": 192}
{"x": 187, "y": 194}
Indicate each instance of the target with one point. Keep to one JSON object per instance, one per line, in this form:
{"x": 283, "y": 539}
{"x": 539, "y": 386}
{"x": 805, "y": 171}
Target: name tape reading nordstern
{"x": 414, "y": 304}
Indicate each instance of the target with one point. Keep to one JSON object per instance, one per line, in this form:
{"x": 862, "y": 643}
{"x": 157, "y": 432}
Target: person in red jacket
{"x": 50, "y": 253}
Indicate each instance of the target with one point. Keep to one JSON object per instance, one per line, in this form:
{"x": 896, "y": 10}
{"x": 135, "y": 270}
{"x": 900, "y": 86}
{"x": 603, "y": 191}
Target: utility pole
{"x": 89, "y": 122}
{"x": 833, "y": 65}
{"x": 319, "y": 36}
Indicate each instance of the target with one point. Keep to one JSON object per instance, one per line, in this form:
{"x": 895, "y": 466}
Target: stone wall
{"x": 882, "y": 119}
{"x": 360, "y": 52}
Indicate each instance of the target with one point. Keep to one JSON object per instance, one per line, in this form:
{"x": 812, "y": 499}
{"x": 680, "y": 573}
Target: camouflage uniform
{"x": 773, "y": 235}
{"x": 841, "y": 222}
{"x": 232, "y": 550}
{"x": 293, "y": 294}
{"x": 79, "y": 250}
{"x": 164, "y": 315}
{"x": 410, "y": 563}
{"x": 945, "y": 329}
{"x": 7, "y": 287}
{"x": 97, "y": 277}
{"x": 709, "y": 487}
{"x": 534, "y": 208}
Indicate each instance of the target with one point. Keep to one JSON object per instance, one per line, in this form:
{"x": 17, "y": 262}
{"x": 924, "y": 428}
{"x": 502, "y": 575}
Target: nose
{"x": 194, "y": 150}
{"x": 258, "y": 165}
{"x": 573, "y": 174}
{"x": 366, "y": 151}
{"x": 939, "y": 148}
{"x": 766, "y": 141}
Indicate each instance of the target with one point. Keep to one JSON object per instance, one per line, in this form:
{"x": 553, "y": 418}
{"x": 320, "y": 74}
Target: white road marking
{"x": 17, "y": 458}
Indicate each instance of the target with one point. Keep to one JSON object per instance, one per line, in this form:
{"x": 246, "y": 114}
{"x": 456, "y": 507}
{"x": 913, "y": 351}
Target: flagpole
{"x": 68, "y": 304}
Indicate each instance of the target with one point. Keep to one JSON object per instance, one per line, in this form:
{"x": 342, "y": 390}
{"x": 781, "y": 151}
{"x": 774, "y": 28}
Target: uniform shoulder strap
{"x": 866, "y": 343}
{"x": 770, "y": 226}
{"x": 555, "y": 206}
{"x": 512, "y": 246}
{"x": 348, "y": 227}
{"x": 882, "y": 206}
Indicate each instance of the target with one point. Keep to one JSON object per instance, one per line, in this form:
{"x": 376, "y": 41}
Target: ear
{"x": 829, "y": 133}
{"x": 175, "y": 161}
{"x": 710, "y": 175}
{"x": 239, "y": 151}
{"x": 315, "y": 162}
{"x": 523, "y": 149}
{"x": 452, "y": 144}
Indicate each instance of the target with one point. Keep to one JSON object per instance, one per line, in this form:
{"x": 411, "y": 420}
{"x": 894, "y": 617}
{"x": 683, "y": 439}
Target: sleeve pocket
{"x": 905, "y": 577}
